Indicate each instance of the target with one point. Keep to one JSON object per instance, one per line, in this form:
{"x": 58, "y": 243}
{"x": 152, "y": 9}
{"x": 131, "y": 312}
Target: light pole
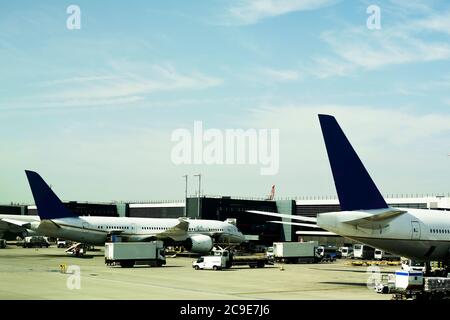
{"x": 199, "y": 190}
{"x": 185, "y": 195}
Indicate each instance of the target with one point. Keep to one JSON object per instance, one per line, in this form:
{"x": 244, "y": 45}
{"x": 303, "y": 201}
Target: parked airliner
{"x": 415, "y": 233}
{"x": 365, "y": 217}
{"x": 59, "y": 222}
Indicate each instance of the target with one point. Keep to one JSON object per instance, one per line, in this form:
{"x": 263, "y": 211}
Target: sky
{"x": 93, "y": 109}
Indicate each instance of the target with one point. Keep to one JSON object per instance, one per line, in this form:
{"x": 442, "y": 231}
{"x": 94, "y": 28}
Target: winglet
{"x": 47, "y": 202}
{"x": 355, "y": 188}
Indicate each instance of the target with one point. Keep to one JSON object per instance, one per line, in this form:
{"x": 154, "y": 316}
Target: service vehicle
{"x": 384, "y": 255}
{"x": 128, "y": 254}
{"x": 328, "y": 253}
{"x": 296, "y": 252}
{"x": 61, "y": 243}
{"x": 210, "y": 262}
{"x": 346, "y": 252}
{"x": 362, "y": 251}
{"x": 414, "y": 285}
{"x": 35, "y": 241}
{"x": 235, "y": 258}
{"x": 413, "y": 265}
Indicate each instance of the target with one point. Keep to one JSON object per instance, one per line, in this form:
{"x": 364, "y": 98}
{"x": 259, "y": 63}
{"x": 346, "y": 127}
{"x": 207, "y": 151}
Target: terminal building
{"x": 257, "y": 228}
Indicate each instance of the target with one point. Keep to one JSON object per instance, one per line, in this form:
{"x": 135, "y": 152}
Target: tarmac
{"x": 39, "y": 274}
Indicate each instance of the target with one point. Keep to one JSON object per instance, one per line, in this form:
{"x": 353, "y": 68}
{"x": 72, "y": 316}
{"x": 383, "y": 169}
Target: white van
{"x": 346, "y": 252}
{"x": 378, "y": 255}
{"x": 61, "y": 243}
{"x": 210, "y": 262}
{"x": 384, "y": 255}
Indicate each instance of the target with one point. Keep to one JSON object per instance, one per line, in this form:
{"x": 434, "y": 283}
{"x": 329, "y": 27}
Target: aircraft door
{"x": 415, "y": 228}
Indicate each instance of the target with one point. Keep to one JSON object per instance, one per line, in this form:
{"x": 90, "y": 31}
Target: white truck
{"x": 210, "y": 262}
{"x": 295, "y": 252}
{"x": 127, "y": 254}
{"x": 327, "y": 253}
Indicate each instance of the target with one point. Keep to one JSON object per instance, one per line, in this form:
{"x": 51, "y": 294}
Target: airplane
{"x": 55, "y": 220}
{"x": 418, "y": 234}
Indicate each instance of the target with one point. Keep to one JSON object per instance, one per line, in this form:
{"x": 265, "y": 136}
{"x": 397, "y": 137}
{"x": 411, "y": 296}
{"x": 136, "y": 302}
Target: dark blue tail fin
{"x": 47, "y": 202}
{"x": 355, "y": 188}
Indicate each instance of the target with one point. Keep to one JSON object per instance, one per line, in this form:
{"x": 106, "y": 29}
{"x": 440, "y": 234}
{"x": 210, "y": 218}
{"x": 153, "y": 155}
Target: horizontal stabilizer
{"x": 296, "y": 224}
{"x": 24, "y": 224}
{"x": 284, "y": 216}
{"x": 316, "y": 233}
{"x": 371, "y": 218}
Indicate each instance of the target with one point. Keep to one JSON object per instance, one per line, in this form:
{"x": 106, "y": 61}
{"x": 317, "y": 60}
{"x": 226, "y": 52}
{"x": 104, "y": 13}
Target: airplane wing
{"x": 177, "y": 233}
{"x": 285, "y": 216}
{"x": 296, "y": 224}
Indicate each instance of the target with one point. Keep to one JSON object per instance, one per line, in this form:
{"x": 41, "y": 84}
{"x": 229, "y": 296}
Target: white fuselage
{"x": 94, "y": 230}
{"x": 416, "y": 234}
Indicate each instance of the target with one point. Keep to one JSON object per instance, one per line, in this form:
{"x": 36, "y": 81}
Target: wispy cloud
{"x": 328, "y": 67}
{"x": 372, "y": 50}
{"x": 253, "y": 11}
{"x": 157, "y": 78}
{"x": 401, "y": 126}
{"x": 408, "y": 7}
{"x": 76, "y": 80}
{"x": 412, "y": 37}
{"x": 439, "y": 22}
{"x": 118, "y": 86}
{"x": 414, "y": 142}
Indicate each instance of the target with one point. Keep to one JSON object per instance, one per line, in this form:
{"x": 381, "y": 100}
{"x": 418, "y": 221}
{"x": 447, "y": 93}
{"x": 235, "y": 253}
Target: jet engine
{"x": 199, "y": 243}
